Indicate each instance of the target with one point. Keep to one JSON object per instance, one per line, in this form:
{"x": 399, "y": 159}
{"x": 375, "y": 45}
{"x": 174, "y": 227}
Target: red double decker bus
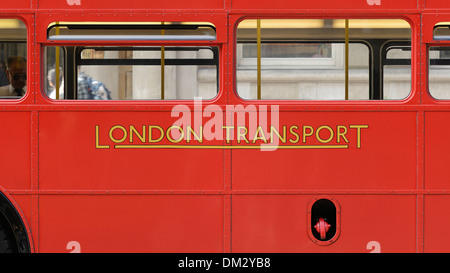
{"x": 224, "y": 126}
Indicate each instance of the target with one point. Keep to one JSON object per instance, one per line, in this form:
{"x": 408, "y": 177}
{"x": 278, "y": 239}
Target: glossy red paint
{"x": 69, "y": 187}
{"x": 258, "y": 225}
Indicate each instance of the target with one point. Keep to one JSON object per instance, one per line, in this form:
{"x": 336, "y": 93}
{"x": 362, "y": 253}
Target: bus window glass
{"x": 396, "y": 70}
{"x": 132, "y": 72}
{"x": 13, "y": 53}
{"x": 54, "y": 57}
{"x": 136, "y": 73}
{"x": 305, "y": 59}
{"x": 439, "y": 72}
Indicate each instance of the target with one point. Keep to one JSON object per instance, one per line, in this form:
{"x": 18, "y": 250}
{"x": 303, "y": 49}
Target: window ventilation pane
{"x": 135, "y": 32}
{"x": 442, "y": 31}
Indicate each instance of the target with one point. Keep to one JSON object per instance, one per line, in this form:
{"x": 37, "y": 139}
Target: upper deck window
{"x": 323, "y": 59}
{"x": 13, "y": 64}
{"x": 133, "y": 72}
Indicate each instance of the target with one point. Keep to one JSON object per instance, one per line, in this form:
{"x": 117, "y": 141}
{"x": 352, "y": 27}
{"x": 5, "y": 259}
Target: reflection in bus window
{"x": 305, "y": 59}
{"x": 13, "y": 35}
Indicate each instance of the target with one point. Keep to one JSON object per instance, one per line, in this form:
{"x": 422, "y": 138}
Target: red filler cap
{"x": 322, "y": 228}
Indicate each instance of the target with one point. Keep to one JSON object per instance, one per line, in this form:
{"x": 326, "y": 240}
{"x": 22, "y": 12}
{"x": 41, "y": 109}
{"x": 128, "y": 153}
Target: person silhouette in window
{"x": 16, "y": 72}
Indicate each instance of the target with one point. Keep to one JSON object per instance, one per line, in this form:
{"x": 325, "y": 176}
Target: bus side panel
{"x": 19, "y": 4}
{"x": 15, "y": 147}
{"x": 287, "y": 4}
{"x": 437, "y": 4}
{"x": 136, "y": 4}
{"x": 134, "y": 223}
{"x": 437, "y": 173}
{"x": 436, "y": 223}
{"x": 279, "y": 223}
{"x": 386, "y": 158}
{"x": 70, "y": 159}
{"x": 437, "y": 150}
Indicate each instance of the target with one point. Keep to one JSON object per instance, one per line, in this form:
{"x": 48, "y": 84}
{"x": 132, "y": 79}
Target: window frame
{"x": 215, "y": 43}
{"x": 413, "y": 37}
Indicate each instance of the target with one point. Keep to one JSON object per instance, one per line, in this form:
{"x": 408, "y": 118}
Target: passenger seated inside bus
{"x": 16, "y": 72}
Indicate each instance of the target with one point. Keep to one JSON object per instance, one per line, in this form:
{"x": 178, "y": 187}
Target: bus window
{"x": 305, "y": 59}
{"x": 13, "y": 53}
{"x": 133, "y": 72}
{"x": 439, "y": 72}
{"x": 396, "y": 63}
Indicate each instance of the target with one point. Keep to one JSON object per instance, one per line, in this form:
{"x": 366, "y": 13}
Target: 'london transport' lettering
{"x": 235, "y": 137}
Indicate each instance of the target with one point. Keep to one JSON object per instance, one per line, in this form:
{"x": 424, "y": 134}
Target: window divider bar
{"x": 258, "y": 57}
{"x": 163, "y": 53}
{"x": 346, "y": 57}
{"x": 57, "y": 61}
{"x": 147, "y": 62}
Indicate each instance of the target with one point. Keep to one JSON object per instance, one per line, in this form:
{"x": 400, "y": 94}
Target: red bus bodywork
{"x": 73, "y": 190}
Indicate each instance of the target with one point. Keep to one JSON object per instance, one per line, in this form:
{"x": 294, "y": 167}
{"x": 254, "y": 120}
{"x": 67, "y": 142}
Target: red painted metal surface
{"x": 163, "y": 223}
{"x": 133, "y": 4}
{"x": 369, "y": 5}
{"x": 70, "y": 183}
